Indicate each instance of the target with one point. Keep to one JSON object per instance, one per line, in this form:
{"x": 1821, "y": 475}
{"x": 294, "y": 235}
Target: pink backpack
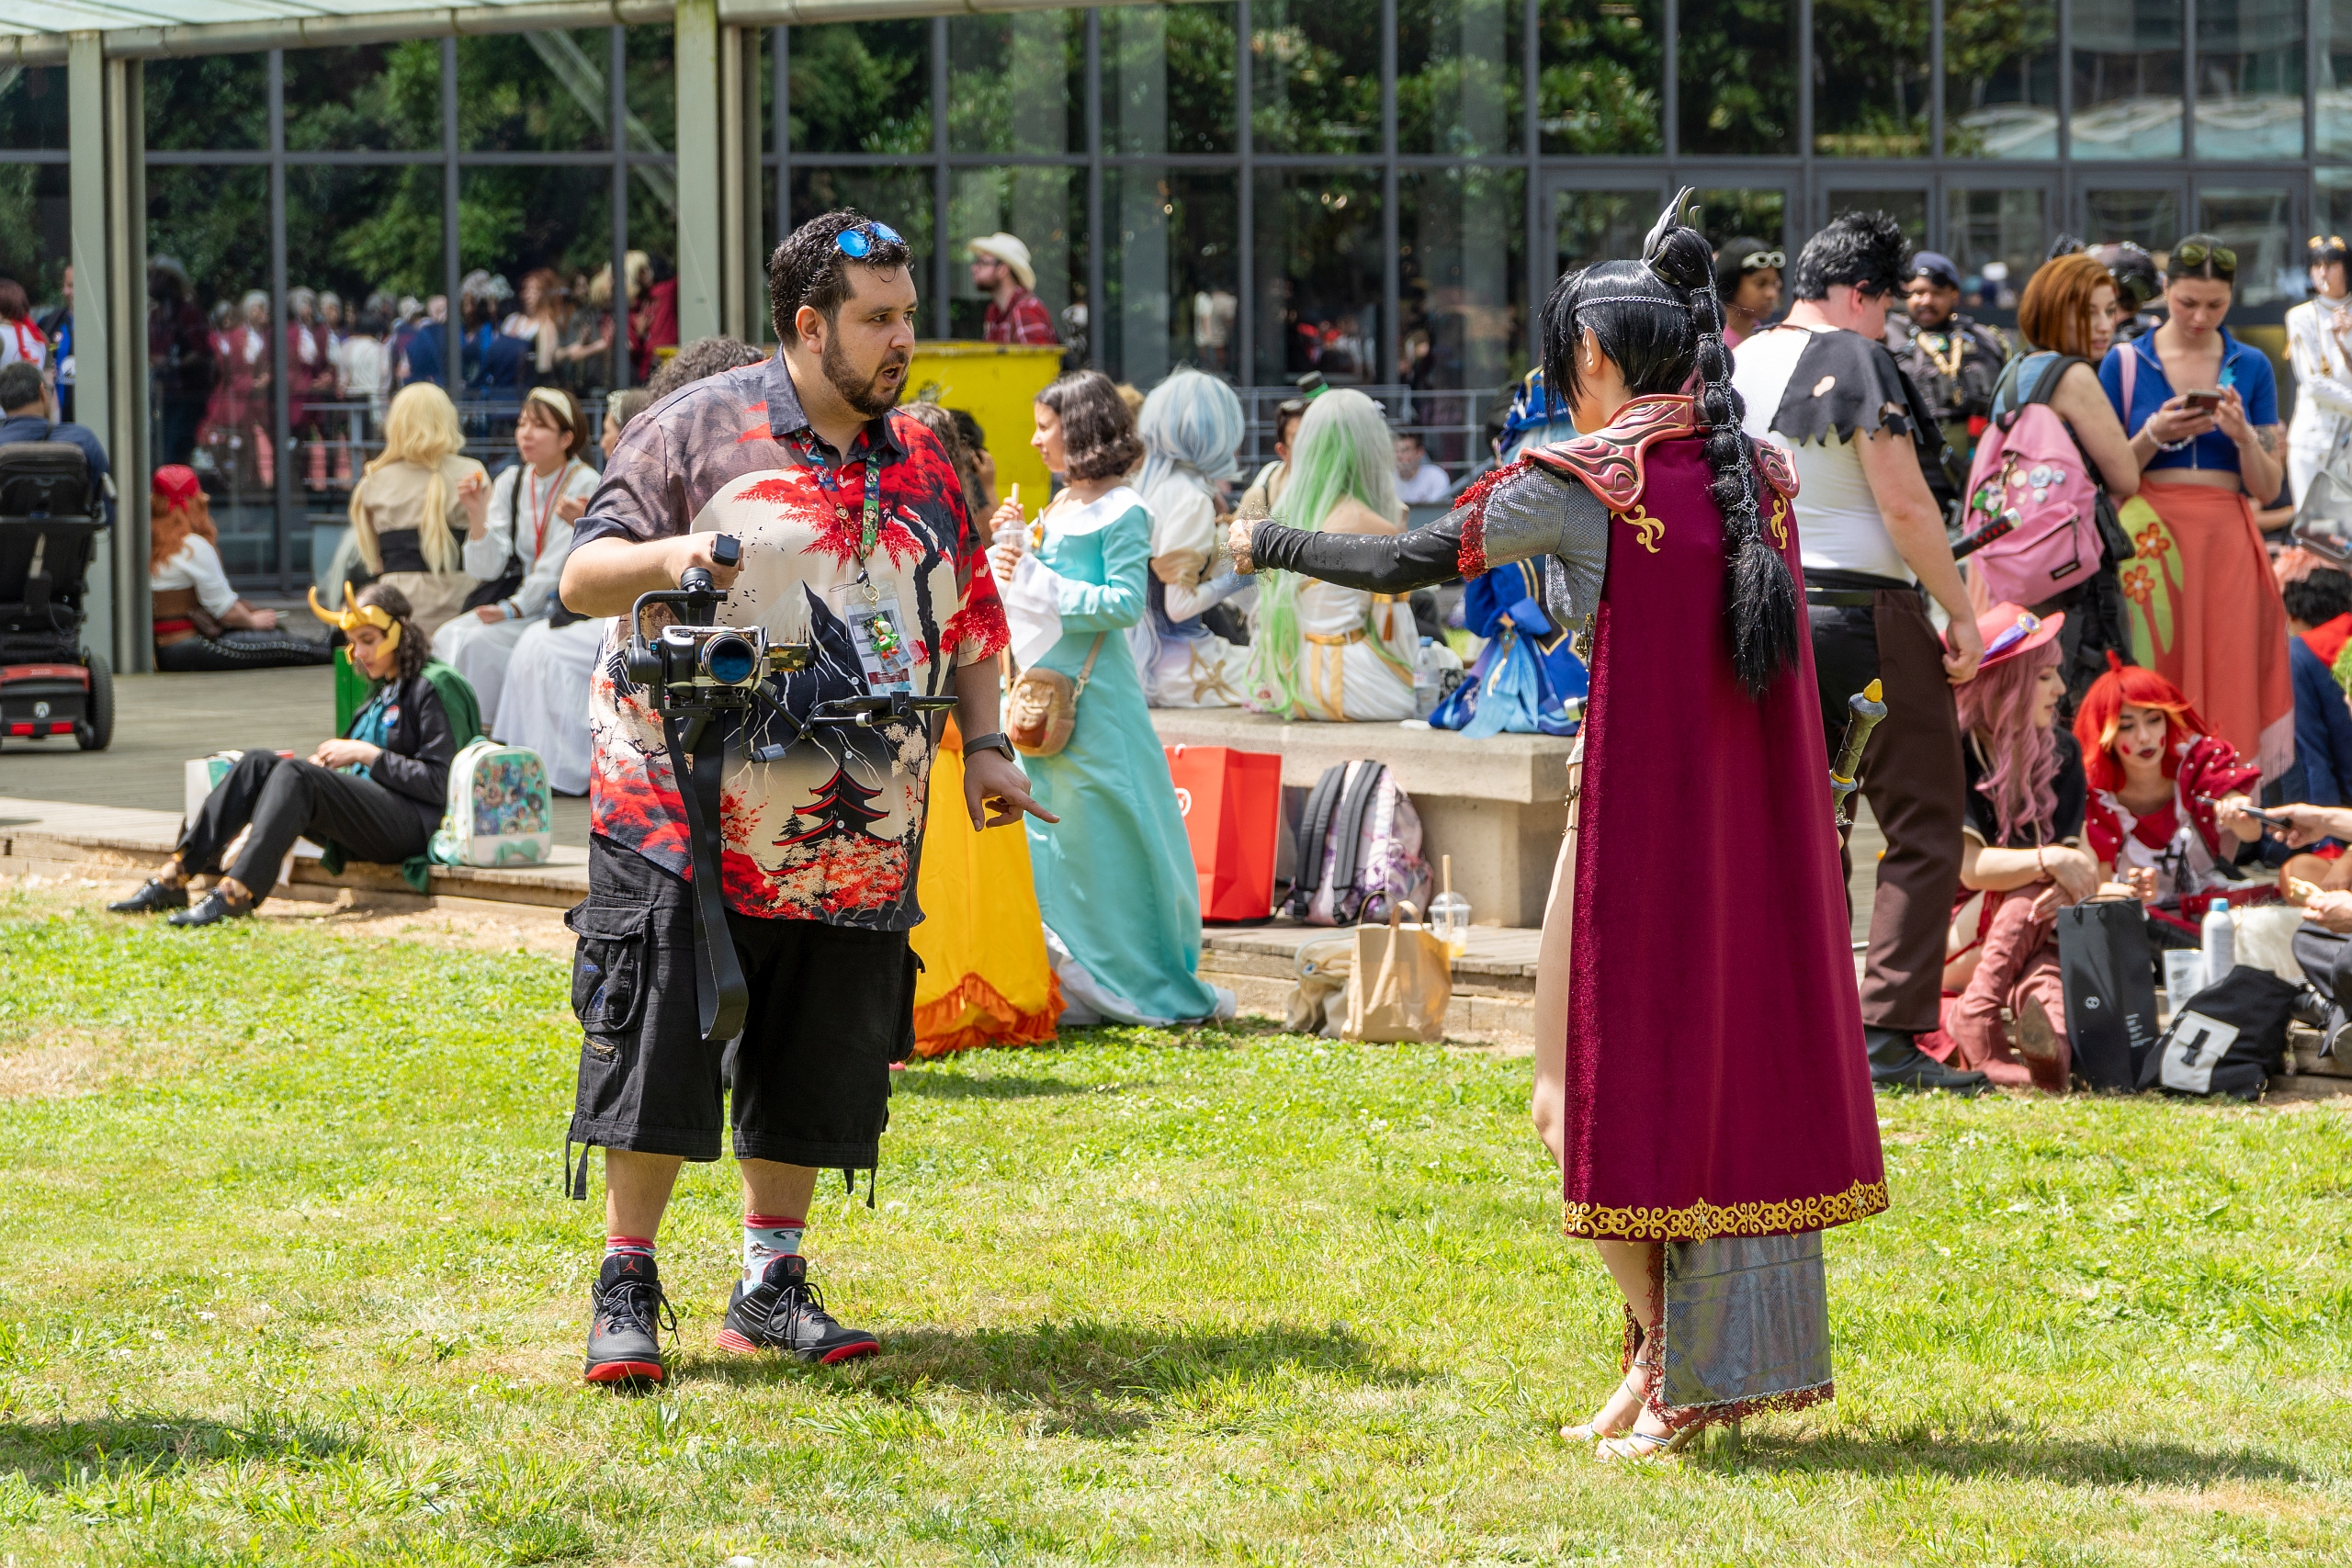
{"x": 2029, "y": 473}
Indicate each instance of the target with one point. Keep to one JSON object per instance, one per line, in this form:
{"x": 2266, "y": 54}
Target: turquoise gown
{"x": 1115, "y": 877}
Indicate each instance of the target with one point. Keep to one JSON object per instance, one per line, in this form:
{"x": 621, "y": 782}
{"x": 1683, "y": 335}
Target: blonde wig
{"x": 421, "y": 427}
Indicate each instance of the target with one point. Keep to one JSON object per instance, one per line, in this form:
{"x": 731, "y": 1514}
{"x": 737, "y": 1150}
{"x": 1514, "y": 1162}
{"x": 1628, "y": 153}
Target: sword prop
{"x": 1866, "y": 710}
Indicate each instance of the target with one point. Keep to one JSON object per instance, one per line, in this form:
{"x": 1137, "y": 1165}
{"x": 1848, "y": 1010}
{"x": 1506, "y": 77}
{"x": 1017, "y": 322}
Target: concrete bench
{"x": 1498, "y": 806}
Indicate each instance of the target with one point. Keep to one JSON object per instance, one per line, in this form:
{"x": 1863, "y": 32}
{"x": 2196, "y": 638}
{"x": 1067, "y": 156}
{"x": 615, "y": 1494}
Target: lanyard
{"x": 547, "y": 507}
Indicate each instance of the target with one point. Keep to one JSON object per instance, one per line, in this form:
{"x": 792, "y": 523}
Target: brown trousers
{"x": 1913, "y": 779}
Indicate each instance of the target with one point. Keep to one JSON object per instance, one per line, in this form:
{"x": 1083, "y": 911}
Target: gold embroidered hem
{"x": 1703, "y": 1221}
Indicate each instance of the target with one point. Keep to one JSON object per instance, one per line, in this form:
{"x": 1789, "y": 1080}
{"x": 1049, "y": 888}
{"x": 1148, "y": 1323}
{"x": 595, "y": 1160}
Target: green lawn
{"x": 288, "y": 1279}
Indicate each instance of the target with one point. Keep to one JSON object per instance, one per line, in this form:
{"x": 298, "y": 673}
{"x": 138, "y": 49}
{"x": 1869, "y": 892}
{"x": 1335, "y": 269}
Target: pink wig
{"x": 2023, "y": 756}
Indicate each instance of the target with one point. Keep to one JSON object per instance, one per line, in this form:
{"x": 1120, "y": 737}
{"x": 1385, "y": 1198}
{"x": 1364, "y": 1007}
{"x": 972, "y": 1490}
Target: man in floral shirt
{"x": 854, "y": 540}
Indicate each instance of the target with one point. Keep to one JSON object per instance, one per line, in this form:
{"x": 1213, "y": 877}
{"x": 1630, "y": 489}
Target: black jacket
{"x": 415, "y": 763}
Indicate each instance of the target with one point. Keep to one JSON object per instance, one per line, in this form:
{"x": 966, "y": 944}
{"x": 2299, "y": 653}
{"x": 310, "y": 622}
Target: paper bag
{"x": 1399, "y": 982}
{"x": 1232, "y": 802}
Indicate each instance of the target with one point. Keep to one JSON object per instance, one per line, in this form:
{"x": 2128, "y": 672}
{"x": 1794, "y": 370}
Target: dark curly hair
{"x": 415, "y": 648}
{"x": 1659, "y": 321}
{"x": 1099, "y": 439}
{"x": 1864, "y": 249}
{"x": 703, "y": 357}
{"x": 2318, "y": 596}
{"x": 811, "y": 269}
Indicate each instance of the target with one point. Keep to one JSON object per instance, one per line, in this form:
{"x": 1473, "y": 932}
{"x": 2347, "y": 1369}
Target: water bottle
{"x": 2220, "y": 943}
{"x": 1425, "y": 680}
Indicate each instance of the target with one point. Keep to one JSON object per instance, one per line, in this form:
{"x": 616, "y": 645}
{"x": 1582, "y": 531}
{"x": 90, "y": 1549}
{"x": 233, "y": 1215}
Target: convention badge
{"x": 878, "y": 632}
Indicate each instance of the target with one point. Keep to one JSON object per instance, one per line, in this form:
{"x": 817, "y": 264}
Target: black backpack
{"x": 2227, "y": 1039}
{"x": 45, "y": 479}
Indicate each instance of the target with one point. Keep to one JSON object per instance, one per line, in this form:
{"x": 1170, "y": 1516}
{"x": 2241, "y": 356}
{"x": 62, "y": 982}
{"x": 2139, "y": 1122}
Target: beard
{"x": 869, "y": 396}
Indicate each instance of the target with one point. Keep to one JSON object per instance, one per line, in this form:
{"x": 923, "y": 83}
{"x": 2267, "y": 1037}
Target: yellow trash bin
{"x": 995, "y": 383}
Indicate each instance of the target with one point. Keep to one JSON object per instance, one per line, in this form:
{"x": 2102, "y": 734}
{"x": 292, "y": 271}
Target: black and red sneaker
{"x": 627, "y": 1312}
{"x": 783, "y": 1312}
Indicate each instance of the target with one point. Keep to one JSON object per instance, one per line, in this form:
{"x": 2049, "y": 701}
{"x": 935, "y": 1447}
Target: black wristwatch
{"x": 994, "y": 740}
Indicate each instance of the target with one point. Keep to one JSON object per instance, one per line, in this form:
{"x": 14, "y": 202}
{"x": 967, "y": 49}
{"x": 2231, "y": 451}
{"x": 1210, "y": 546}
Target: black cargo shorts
{"x": 831, "y": 1008}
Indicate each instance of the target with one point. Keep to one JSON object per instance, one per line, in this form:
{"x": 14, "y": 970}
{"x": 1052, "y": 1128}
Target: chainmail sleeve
{"x": 1379, "y": 563}
{"x": 1536, "y": 512}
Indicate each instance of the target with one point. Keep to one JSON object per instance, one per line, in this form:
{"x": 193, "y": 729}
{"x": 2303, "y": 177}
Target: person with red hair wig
{"x": 200, "y": 623}
{"x": 2169, "y": 799}
{"x": 2021, "y": 857}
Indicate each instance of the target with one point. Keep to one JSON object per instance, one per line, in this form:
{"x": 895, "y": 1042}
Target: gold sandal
{"x": 1588, "y": 1431}
{"x": 1645, "y": 1448}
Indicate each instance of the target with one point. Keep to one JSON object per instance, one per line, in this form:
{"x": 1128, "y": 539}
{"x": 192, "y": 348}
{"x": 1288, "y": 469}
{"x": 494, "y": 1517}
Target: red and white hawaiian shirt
{"x": 834, "y": 830}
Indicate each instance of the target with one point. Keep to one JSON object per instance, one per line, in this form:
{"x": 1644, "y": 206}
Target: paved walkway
{"x": 162, "y": 720}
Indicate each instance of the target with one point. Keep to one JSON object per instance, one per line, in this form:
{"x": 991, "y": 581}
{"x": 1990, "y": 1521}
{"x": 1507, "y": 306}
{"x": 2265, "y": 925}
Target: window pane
{"x": 211, "y": 103}
{"x": 36, "y": 229}
{"x": 1592, "y": 226}
{"x": 33, "y": 106}
{"x": 1599, "y": 77}
{"x": 1870, "y": 79}
{"x": 2249, "y": 79}
{"x": 650, "y": 83}
{"x": 1171, "y": 271}
{"x": 1738, "y": 90}
{"x": 1017, "y": 83}
{"x": 2001, "y": 78}
{"x": 1046, "y": 209}
{"x": 1909, "y": 208}
{"x": 2127, "y": 79}
{"x": 1315, "y": 75}
{"x": 2335, "y": 216}
{"x": 862, "y": 87}
{"x": 1317, "y": 273}
{"x": 1997, "y": 238}
{"x": 380, "y": 96}
{"x": 1760, "y": 214}
{"x": 2257, "y": 223}
{"x": 1464, "y": 278}
{"x": 207, "y": 244}
{"x": 550, "y": 232}
{"x": 1167, "y": 79}
{"x": 1458, "y": 77}
{"x": 535, "y": 92}
{"x": 2334, "y": 46}
{"x": 2148, "y": 218}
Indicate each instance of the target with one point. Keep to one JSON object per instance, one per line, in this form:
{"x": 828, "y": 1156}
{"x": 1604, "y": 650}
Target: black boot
{"x": 1897, "y": 1062}
{"x": 154, "y": 897}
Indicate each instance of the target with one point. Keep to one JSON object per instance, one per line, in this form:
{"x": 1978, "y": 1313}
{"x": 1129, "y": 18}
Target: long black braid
{"x": 1660, "y": 351}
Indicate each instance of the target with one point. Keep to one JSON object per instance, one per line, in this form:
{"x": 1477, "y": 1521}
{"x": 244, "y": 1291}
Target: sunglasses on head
{"x": 858, "y": 243}
{"x": 1754, "y": 260}
{"x": 2224, "y": 260}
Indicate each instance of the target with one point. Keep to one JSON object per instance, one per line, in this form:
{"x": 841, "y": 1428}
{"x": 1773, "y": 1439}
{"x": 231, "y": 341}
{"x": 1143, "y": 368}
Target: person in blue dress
{"x": 1115, "y": 877}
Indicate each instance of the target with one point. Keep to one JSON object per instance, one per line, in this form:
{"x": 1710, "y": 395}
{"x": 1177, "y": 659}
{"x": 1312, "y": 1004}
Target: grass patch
{"x": 291, "y": 1281}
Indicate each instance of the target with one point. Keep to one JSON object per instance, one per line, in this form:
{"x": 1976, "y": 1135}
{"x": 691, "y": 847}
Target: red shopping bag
{"x": 1232, "y": 802}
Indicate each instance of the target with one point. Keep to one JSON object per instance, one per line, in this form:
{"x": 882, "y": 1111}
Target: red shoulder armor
{"x": 1609, "y": 462}
{"x": 1778, "y": 472}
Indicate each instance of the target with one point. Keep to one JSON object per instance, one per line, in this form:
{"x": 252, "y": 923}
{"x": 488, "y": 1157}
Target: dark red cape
{"x": 1717, "y": 1080}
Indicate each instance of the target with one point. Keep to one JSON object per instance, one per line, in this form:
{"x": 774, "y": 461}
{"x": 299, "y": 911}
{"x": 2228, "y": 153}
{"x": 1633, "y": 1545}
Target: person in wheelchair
{"x": 377, "y": 793}
{"x": 24, "y": 416}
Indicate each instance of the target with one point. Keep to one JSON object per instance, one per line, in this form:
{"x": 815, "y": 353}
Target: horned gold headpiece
{"x": 351, "y": 617}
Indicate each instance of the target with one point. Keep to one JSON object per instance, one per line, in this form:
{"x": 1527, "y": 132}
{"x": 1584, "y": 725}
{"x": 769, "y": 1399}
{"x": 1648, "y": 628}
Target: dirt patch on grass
{"x": 62, "y": 1067}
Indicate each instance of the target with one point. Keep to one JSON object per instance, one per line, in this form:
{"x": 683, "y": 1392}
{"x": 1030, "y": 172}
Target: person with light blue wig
{"x": 1191, "y": 428}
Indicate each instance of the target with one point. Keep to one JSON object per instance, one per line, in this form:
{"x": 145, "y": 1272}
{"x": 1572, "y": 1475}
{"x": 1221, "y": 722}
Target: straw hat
{"x": 1009, "y": 251}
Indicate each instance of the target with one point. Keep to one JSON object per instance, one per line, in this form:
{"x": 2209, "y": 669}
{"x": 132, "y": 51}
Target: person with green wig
{"x": 1112, "y": 863}
{"x": 1319, "y": 651}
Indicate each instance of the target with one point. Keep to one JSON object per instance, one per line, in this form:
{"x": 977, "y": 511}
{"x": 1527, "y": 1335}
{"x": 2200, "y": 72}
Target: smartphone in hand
{"x": 2203, "y": 401}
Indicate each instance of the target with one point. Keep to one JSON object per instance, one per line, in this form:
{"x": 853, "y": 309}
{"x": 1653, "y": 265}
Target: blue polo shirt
{"x": 33, "y": 427}
{"x": 2248, "y": 369}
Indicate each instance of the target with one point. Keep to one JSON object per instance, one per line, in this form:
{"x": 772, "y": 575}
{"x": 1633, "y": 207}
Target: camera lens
{"x": 728, "y": 659}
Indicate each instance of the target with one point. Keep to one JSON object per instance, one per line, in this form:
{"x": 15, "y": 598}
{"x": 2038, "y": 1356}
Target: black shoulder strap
{"x": 1361, "y": 787}
{"x": 1314, "y": 826}
{"x": 697, "y": 759}
{"x": 2044, "y": 388}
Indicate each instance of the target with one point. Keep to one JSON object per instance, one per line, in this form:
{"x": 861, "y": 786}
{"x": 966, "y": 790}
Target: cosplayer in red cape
{"x": 1700, "y": 1075}
{"x": 2167, "y": 812}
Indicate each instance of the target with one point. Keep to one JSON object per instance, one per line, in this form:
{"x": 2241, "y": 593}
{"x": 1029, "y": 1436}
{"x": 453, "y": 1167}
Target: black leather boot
{"x": 1897, "y": 1062}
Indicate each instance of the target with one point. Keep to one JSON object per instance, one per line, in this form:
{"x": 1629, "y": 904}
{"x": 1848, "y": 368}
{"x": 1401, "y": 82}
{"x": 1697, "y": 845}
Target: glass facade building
{"x": 1372, "y": 189}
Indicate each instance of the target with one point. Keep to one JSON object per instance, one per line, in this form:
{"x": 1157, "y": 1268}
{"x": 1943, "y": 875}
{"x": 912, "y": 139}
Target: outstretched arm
{"x": 1391, "y": 563}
